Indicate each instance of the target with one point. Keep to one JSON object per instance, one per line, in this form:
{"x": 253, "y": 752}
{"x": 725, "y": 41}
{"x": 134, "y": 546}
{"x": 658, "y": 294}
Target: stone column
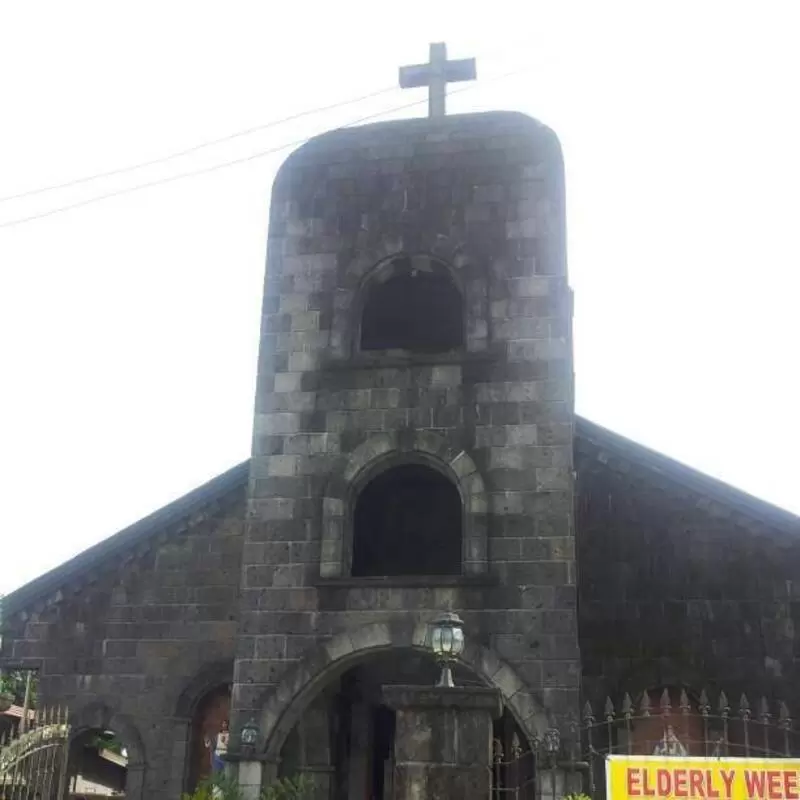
{"x": 314, "y": 740}
{"x": 134, "y": 782}
{"x": 443, "y": 741}
{"x": 358, "y": 767}
{"x": 250, "y": 776}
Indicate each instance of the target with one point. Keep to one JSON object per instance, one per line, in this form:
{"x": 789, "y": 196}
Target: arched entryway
{"x": 323, "y": 669}
{"x": 209, "y": 736}
{"x": 106, "y": 756}
{"x": 98, "y": 765}
{"x": 344, "y": 739}
{"x": 202, "y": 709}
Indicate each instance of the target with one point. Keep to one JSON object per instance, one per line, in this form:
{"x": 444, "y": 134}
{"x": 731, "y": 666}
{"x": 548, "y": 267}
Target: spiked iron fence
{"x": 677, "y": 724}
{"x": 33, "y": 763}
{"x": 513, "y": 771}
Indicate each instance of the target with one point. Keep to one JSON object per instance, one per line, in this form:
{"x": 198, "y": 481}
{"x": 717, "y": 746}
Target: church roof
{"x": 595, "y": 441}
{"x": 127, "y": 539}
{"x": 591, "y": 441}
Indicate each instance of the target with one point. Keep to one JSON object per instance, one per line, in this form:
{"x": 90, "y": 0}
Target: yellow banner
{"x": 658, "y": 777}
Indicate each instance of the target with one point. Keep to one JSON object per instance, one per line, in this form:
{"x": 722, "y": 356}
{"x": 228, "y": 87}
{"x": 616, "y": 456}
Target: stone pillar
{"x": 134, "y": 782}
{"x": 358, "y": 766}
{"x": 250, "y": 775}
{"x": 314, "y": 740}
{"x": 443, "y": 741}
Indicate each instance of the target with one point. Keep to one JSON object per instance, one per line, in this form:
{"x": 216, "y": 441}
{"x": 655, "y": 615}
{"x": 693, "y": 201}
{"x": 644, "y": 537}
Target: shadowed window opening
{"x": 413, "y": 305}
{"x": 407, "y": 521}
{"x": 98, "y": 764}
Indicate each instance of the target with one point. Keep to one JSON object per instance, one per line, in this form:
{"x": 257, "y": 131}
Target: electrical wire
{"x": 245, "y": 159}
{"x": 195, "y": 148}
{"x": 208, "y": 143}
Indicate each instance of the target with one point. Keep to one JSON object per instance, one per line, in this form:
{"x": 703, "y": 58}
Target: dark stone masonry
{"x": 415, "y": 450}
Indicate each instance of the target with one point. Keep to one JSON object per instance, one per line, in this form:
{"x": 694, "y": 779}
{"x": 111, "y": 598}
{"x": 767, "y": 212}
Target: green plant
{"x": 13, "y": 683}
{"x": 298, "y": 788}
{"x": 576, "y": 796}
{"x": 7, "y": 685}
{"x": 224, "y": 787}
{"x": 205, "y": 791}
{"x": 218, "y": 787}
{"x": 108, "y": 741}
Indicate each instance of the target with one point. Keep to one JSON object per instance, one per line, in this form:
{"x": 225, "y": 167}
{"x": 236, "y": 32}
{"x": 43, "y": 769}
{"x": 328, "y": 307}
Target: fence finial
{"x": 705, "y": 705}
{"x": 744, "y": 707}
{"x": 724, "y": 705}
{"x": 627, "y": 706}
{"x": 685, "y": 706}
{"x": 609, "y": 710}
{"x": 763, "y": 710}
{"x": 645, "y": 706}
{"x": 666, "y": 705}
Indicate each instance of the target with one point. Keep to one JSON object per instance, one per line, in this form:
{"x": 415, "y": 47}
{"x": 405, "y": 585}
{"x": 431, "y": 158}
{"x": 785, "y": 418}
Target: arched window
{"x": 412, "y": 303}
{"x": 407, "y": 521}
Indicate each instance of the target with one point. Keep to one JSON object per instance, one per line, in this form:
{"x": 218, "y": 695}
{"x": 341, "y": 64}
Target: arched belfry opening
{"x": 412, "y": 303}
{"x": 407, "y": 521}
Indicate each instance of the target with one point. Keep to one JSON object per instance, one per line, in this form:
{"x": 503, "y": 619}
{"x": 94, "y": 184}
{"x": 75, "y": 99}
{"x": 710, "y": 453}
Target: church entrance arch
{"x": 344, "y": 738}
{"x": 209, "y": 736}
{"x": 203, "y": 707}
{"x": 283, "y": 707}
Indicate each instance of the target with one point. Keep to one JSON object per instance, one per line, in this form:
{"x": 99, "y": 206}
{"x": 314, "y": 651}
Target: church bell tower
{"x": 412, "y": 443}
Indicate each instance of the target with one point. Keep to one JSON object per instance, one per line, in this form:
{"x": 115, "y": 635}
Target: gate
{"x": 513, "y": 771}
{"x": 676, "y": 724}
{"x": 33, "y": 763}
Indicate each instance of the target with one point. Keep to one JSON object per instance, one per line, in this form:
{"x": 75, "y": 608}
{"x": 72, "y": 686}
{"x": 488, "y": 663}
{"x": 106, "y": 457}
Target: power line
{"x": 208, "y": 143}
{"x": 245, "y": 159}
{"x": 195, "y": 148}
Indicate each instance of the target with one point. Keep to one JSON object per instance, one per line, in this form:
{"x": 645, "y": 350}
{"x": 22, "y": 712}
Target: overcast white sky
{"x": 128, "y": 327}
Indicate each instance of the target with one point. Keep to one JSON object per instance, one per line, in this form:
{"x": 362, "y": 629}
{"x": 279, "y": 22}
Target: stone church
{"x": 414, "y": 451}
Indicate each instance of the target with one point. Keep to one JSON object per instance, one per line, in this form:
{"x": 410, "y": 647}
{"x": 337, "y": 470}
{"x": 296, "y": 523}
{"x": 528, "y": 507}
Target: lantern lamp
{"x": 447, "y": 644}
{"x": 249, "y": 734}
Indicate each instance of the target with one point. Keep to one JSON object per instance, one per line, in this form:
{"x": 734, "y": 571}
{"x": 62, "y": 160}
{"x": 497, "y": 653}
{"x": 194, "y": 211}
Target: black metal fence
{"x": 514, "y": 771}
{"x": 669, "y": 722}
{"x": 673, "y": 723}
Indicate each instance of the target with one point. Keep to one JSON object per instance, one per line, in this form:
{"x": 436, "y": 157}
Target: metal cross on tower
{"x": 436, "y": 75}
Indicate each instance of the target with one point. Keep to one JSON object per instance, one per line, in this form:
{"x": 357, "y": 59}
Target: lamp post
{"x": 249, "y": 736}
{"x": 447, "y": 644}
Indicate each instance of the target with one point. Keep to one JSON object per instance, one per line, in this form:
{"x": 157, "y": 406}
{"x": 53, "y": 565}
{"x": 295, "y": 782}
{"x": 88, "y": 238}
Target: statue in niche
{"x": 669, "y": 745}
{"x": 218, "y": 747}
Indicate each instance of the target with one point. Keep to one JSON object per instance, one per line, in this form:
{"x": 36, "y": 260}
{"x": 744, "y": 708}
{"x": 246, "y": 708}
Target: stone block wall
{"x": 483, "y": 193}
{"x": 680, "y": 588}
{"x": 122, "y": 644}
